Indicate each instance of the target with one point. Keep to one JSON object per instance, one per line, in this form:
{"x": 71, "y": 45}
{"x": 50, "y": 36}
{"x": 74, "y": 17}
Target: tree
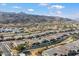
{"x": 27, "y": 53}
{"x": 37, "y": 36}
{"x": 61, "y": 55}
{"x": 23, "y": 37}
{"x": 78, "y": 50}
{"x": 2, "y": 37}
{"x": 65, "y": 55}
{"x": 72, "y": 53}
{"x": 55, "y": 54}
{"x": 45, "y": 41}
{"x": 27, "y": 44}
{"x": 21, "y": 47}
{"x": 53, "y": 40}
{"x": 74, "y": 38}
{"x": 0, "y": 53}
{"x": 36, "y": 44}
{"x": 20, "y": 38}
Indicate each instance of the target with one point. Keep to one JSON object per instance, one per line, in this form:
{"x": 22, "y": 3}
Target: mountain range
{"x": 12, "y": 17}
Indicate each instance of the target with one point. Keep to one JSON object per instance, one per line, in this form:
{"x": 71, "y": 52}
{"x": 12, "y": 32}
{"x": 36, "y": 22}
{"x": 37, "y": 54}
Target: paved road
{"x": 5, "y": 50}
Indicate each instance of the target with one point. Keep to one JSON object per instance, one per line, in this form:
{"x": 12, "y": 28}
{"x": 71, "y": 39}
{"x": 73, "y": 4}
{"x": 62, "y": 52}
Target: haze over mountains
{"x": 11, "y": 17}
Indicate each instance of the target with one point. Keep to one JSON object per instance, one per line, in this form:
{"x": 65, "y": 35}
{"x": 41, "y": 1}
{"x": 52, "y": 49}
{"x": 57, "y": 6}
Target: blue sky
{"x": 70, "y": 10}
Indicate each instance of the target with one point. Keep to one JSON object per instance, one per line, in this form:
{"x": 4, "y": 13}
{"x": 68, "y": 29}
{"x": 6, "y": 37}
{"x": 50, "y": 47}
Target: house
{"x": 16, "y": 43}
{"x": 13, "y": 30}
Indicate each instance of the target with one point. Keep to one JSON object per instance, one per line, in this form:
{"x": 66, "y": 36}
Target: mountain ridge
{"x": 12, "y": 17}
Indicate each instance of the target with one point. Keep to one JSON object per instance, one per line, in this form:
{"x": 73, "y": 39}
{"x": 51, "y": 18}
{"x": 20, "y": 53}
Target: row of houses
{"x": 62, "y": 50}
{"x": 13, "y": 30}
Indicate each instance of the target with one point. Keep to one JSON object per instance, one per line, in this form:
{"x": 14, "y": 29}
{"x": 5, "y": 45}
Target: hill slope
{"x": 10, "y": 17}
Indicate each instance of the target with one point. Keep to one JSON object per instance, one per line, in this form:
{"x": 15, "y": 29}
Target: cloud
{"x": 57, "y": 6}
{"x": 74, "y": 15}
{"x": 30, "y": 10}
{"x": 3, "y": 4}
{"x": 56, "y": 9}
{"x": 43, "y": 4}
{"x": 58, "y": 12}
{"x": 16, "y": 7}
{"x": 23, "y": 9}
